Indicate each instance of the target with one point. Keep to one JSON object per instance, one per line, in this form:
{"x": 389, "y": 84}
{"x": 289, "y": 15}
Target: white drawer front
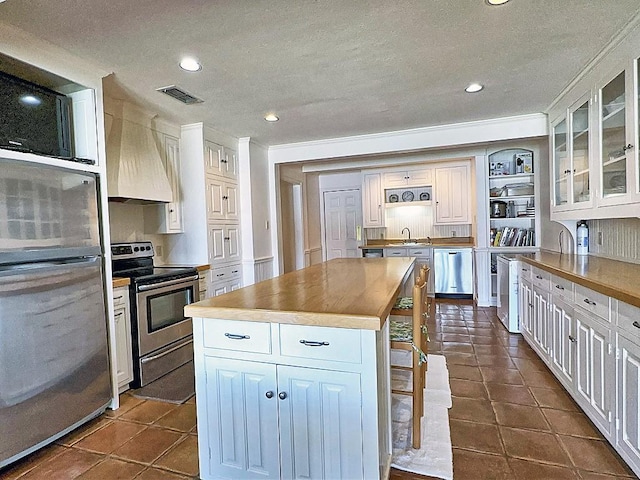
{"x": 238, "y": 335}
{"x": 562, "y": 287}
{"x": 525, "y": 271}
{"x": 120, "y": 295}
{"x": 322, "y": 343}
{"x": 395, "y": 252}
{"x": 224, "y": 274}
{"x": 540, "y": 278}
{"x": 629, "y": 319}
{"x": 594, "y": 302}
{"x": 419, "y": 252}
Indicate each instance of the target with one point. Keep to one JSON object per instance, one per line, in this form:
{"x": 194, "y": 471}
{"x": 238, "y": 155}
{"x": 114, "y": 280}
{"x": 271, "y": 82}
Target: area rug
{"x": 177, "y": 386}
{"x": 435, "y": 457}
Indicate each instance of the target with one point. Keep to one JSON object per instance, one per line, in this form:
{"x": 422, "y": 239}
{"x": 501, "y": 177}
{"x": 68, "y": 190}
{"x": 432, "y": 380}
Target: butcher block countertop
{"x": 343, "y": 292}
{"x": 453, "y": 242}
{"x": 120, "y": 282}
{"x": 616, "y": 279}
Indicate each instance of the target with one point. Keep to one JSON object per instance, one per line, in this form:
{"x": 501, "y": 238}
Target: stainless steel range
{"x": 162, "y": 336}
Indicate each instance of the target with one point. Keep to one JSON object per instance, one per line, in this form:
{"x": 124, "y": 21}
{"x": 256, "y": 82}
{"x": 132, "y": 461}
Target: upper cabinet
{"x": 452, "y": 194}
{"x": 372, "y": 200}
{"x": 594, "y": 137}
{"x": 408, "y": 178}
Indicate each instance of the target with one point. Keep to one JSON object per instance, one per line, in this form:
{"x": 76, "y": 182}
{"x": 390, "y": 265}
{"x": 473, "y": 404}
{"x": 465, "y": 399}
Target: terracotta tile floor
{"x": 510, "y": 419}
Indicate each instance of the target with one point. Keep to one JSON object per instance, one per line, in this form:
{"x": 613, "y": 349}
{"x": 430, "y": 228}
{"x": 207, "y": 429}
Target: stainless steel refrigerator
{"x": 54, "y": 368}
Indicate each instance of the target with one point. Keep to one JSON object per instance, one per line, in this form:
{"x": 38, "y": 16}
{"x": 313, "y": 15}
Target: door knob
{"x": 282, "y": 395}
{"x": 269, "y": 394}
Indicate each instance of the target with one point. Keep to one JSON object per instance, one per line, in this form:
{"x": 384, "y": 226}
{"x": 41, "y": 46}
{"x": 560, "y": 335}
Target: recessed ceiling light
{"x": 496, "y": 2}
{"x": 473, "y": 88}
{"x": 30, "y": 100}
{"x": 190, "y": 64}
{"x": 271, "y": 117}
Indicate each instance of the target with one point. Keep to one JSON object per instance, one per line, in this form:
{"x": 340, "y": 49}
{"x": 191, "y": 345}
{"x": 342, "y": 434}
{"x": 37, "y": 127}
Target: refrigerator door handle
{"x": 23, "y": 268}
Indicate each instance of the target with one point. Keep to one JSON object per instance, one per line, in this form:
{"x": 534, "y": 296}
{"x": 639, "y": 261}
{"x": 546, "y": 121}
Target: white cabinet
{"x": 225, "y": 279}
{"x": 272, "y": 407}
{"x": 408, "y": 178}
{"x": 628, "y": 381}
{"x": 563, "y": 339}
{"x": 222, "y": 200}
{"x": 167, "y": 218}
{"x": 372, "y": 200}
{"x": 452, "y": 193}
{"x": 525, "y": 307}
{"x": 221, "y": 161}
{"x": 594, "y": 374}
{"x": 224, "y": 244}
{"x": 540, "y": 321}
{"x": 123, "y": 353}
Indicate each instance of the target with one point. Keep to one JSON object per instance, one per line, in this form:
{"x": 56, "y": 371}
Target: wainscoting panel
{"x": 263, "y": 269}
{"x": 620, "y": 239}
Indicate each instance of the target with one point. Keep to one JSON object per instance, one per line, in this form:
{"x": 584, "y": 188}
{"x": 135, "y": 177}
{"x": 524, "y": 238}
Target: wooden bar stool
{"x": 412, "y": 336}
{"x": 406, "y": 303}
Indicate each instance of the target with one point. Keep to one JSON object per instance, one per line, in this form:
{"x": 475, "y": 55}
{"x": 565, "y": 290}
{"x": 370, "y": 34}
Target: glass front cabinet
{"x": 594, "y": 147}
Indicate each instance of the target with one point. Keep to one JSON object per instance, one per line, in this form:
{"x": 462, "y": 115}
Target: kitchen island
{"x": 292, "y": 374}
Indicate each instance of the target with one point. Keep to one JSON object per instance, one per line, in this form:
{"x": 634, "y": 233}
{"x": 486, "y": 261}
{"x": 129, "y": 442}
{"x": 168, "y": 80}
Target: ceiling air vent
{"x": 179, "y": 94}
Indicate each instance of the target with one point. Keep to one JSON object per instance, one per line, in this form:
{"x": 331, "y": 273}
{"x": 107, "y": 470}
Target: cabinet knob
{"x": 224, "y": 197}
{"x": 636, "y": 324}
{"x": 282, "y": 395}
{"x": 559, "y": 287}
{"x": 227, "y": 238}
{"x": 589, "y": 302}
{"x": 572, "y": 339}
{"x": 627, "y": 147}
{"x": 269, "y": 394}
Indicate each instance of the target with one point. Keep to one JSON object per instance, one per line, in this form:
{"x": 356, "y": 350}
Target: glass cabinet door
{"x": 580, "y": 153}
{"x": 560, "y": 163}
{"x": 613, "y": 140}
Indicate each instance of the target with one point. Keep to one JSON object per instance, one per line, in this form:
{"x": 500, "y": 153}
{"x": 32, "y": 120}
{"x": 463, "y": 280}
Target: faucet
{"x": 407, "y": 229}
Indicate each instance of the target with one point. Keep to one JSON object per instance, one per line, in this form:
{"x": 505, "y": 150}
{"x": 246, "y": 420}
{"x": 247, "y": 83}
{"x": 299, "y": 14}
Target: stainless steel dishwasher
{"x": 453, "y": 271}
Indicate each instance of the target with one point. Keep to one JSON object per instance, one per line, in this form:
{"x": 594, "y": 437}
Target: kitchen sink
{"x": 407, "y": 244}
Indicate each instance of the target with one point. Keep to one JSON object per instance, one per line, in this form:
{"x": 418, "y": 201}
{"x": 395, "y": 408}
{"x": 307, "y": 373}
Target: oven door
{"x": 160, "y": 307}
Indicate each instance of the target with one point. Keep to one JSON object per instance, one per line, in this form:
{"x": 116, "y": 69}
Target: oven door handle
{"x": 144, "y": 288}
{"x": 166, "y": 352}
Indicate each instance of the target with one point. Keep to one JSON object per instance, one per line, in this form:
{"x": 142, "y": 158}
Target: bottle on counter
{"x": 582, "y": 238}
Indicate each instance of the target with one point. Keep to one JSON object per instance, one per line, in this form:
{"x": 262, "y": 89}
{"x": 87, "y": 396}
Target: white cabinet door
{"x": 452, "y": 195}
{"x": 594, "y": 368}
{"x": 230, "y": 164}
{"x": 215, "y": 202}
{"x": 224, "y": 244}
{"x": 525, "y": 307}
{"x": 243, "y": 421}
{"x": 230, "y": 201}
{"x": 213, "y": 158}
{"x": 628, "y": 435}
{"x": 395, "y": 179}
{"x": 320, "y": 423}
{"x": 372, "y": 200}
{"x": 232, "y": 243}
{"x": 562, "y": 340}
{"x": 419, "y": 178}
{"x": 123, "y": 353}
{"x": 173, "y": 210}
{"x": 541, "y": 320}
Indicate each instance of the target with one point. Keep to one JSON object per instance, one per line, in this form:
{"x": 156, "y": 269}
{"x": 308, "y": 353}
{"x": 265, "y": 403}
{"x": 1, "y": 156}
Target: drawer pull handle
{"x": 311, "y": 343}
{"x": 559, "y": 287}
{"x": 589, "y": 302}
{"x": 235, "y": 336}
{"x": 525, "y": 269}
{"x": 117, "y": 298}
{"x": 572, "y": 339}
{"x": 282, "y": 395}
{"x": 220, "y": 275}
{"x": 269, "y": 394}
{"x": 538, "y": 277}
{"x": 636, "y": 324}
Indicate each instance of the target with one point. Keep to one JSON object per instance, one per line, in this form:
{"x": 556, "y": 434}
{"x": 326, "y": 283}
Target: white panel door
{"x": 562, "y": 336}
{"x": 320, "y": 424}
{"x": 230, "y": 199}
{"x": 452, "y": 195}
{"x": 343, "y": 217}
{"x": 628, "y": 438}
{"x": 419, "y": 178}
{"x": 173, "y": 210}
{"x": 230, "y": 164}
{"x": 232, "y": 243}
{"x": 216, "y": 235}
{"x": 215, "y": 201}
{"x": 213, "y": 156}
{"x": 372, "y": 205}
{"x": 243, "y": 420}
{"x": 524, "y": 309}
{"x": 594, "y": 368}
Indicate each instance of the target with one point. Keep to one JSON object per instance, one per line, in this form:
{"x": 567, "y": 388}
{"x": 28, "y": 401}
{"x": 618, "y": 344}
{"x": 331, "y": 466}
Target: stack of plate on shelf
{"x": 528, "y": 212}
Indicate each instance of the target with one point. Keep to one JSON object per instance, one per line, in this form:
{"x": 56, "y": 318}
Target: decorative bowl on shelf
{"x": 407, "y": 196}
{"x": 393, "y": 198}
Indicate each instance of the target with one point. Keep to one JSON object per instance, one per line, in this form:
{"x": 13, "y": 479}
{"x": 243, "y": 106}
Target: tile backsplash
{"x": 620, "y": 238}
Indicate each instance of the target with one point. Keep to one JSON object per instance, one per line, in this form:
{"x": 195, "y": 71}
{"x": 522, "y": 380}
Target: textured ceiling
{"x": 332, "y": 68}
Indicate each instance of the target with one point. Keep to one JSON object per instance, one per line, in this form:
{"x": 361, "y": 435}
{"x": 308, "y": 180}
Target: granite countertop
{"x": 343, "y": 292}
{"x": 120, "y": 282}
{"x": 620, "y": 280}
{"x": 461, "y": 242}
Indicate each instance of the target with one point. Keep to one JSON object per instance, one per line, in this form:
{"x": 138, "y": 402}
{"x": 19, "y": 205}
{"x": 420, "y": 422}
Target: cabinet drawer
{"x": 224, "y": 274}
{"x": 120, "y": 297}
{"x": 419, "y": 252}
{"x": 629, "y": 319}
{"x": 395, "y": 252}
{"x": 322, "y": 343}
{"x": 540, "y": 278}
{"x": 594, "y": 302}
{"x": 524, "y": 271}
{"x": 238, "y": 335}
{"x": 562, "y": 287}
